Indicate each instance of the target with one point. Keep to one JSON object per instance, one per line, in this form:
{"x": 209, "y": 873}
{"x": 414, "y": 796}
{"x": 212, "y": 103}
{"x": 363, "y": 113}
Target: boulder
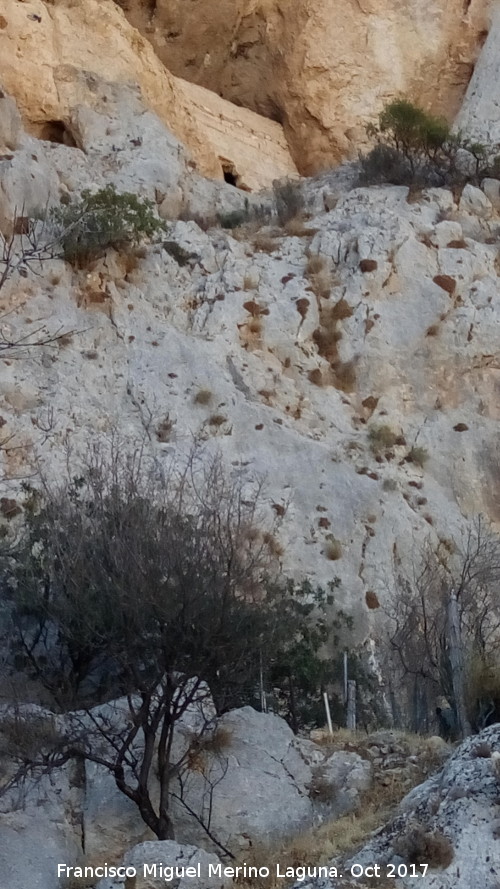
{"x": 256, "y": 786}
{"x": 338, "y": 782}
{"x": 166, "y": 862}
{"x": 475, "y": 202}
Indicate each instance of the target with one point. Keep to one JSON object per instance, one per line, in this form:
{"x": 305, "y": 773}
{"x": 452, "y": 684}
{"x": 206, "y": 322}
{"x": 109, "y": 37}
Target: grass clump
{"x": 289, "y": 199}
{"x": 85, "y": 228}
{"x": 333, "y": 550}
{"x": 418, "y": 455}
{"x": 203, "y": 396}
{"x": 381, "y": 438}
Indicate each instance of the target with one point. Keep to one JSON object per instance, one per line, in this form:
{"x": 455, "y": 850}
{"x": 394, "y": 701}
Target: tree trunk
{"x": 457, "y": 665}
{"x": 165, "y": 830}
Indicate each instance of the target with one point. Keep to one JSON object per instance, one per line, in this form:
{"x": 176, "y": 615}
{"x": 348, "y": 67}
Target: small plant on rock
{"x": 381, "y": 438}
{"x": 107, "y": 218}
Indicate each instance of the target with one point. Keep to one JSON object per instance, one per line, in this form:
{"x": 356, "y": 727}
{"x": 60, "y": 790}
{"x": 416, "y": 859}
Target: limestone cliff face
{"x": 322, "y": 67}
{"x": 45, "y": 47}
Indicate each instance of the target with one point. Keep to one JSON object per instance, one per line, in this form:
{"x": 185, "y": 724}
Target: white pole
{"x": 263, "y": 699}
{"x": 346, "y": 676}
{"x": 351, "y": 705}
{"x": 328, "y": 715}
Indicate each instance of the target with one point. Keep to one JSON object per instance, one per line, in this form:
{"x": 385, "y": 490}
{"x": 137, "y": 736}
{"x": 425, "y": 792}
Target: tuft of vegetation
{"x": 203, "y": 396}
{"x": 418, "y": 846}
{"x": 234, "y": 218}
{"x": 290, "y": 200}
{"x": 414, "y": 147}
{"x": 333, "y": 550}
{"x": 178, "y": 253}
{"x": 418, "y": 455}
{"x": 85, "y": 228}
{"x": 381, "y": 438}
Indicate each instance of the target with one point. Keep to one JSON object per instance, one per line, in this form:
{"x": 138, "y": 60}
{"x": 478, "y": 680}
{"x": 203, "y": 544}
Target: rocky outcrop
{"x": 295, "y": 389}
{"x": 322, "y": 67}
{"x": 478, "y": 118}
{"x": 449, "y": 823}
{"x": 160, "y": 863}
{"x": 143, "y": 155}
{"x": 52, "y": 53}
{"x": 256, "y": 788}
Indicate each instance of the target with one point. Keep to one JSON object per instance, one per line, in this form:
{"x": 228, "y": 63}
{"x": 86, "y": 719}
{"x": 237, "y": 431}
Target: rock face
{"x": 478, "y": 117}
{"x": 158, "y": 863}
{"x": 31, "y": 844}
{"x": 143, "y": 155}
{"x": 322, "y": 67}
{"x": 295, "y": 388}
{"x": 257, "y": 788}
{"x": 51, "y": 54}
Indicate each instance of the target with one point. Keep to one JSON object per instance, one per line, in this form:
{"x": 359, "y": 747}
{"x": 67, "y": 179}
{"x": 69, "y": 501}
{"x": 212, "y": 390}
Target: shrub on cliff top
{"x": 415, "y": 147}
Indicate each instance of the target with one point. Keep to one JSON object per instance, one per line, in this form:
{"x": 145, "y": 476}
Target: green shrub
{"x": 234, "y": 218}
{"x": 178, "y": 253}
{"x": 415, "y": 147}
{"x": 88, "y": 226}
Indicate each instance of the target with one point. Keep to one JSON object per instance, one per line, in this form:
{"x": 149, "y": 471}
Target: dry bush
{"x": 320, "y": 276}
{"x": 344, "y": 376}
{"x": 333, "y": 550}
{"x": 289, "y": 199}
{"x": 315, "y": 263}
{"x": 203, "y": 396}
{"x": 418, "y": 455}
{"x": 164, "y": 429}
{"x": 320, "y": 789}
{"x": 418, "y": 846}
{"x": 205, "y": 747}
{"x": 297, "y": 228}
{"x": 327, "y": 337}
{"x": 266, "y": 242}
{"x": 217, "y": 420}
{"x": 381, "y": 438}
{"x": 250, "y": 281}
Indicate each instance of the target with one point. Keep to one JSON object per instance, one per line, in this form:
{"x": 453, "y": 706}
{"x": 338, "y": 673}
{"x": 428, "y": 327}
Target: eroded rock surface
{"x": 322, "y": 67}
{"x": 52, "y": 53}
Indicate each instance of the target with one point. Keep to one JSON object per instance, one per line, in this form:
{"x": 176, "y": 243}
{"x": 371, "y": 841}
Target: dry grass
{"x": 320, "y": 276}
{"x": 381, "y": 438}
{"x": 250, "y": 281}
{"x": 297, "y": 228}
{"x": 217, "y": 420}
{"x": 341, "y": 838}
{"x": 333, "y": 550}
{"x": 344, "y": 376}
{"x": 203, "y": 396}
{"x": 266, "y": 242}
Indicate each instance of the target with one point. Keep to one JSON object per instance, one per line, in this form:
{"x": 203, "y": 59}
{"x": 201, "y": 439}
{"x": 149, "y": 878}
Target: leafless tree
{"x": 24, "y": 251}
{"x": 446, "y": 616}
{"x": 149, "y": 587}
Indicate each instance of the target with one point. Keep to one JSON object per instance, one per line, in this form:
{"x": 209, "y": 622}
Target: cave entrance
{"x": 56, "y": 131}
{"x": 231, "y": 175}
